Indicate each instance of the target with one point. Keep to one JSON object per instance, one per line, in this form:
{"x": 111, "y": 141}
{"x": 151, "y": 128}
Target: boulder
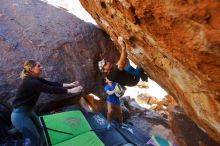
{"x": 187, "y": 133}
{"x": 146, "y": 99}
{"x": 177, "y": 43}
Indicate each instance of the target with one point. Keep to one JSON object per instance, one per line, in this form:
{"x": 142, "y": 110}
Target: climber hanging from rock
{"x": 121, "y": 73}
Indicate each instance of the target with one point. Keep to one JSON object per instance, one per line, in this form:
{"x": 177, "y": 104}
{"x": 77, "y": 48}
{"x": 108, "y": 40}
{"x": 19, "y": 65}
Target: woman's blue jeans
{"x": 27, "y": 122}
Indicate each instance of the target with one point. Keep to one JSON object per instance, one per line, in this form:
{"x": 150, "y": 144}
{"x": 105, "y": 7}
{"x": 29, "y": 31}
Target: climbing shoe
{"x": 123, "y": 125}
{"x": 108, "y": 127}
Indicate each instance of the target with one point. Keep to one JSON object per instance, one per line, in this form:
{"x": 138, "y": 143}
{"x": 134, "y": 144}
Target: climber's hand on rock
{"x": 77, "y": 89}
{"x": 73, "y": 84}
{"x": 121, "y": 42}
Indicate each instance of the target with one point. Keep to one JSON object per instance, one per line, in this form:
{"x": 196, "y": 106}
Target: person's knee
{"x": 110, "y": 111}
{"x": 129, "y": 69}
{"x": 17, "y": 121}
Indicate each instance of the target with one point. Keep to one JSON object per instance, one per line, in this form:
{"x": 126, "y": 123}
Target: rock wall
{"x": 67, "y": 47}
{"x": 186, "y": 131}
{"x": 177, "y": 43}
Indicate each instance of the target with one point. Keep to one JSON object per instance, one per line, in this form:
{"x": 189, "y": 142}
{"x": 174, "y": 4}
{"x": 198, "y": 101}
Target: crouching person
{"x": 23, "y": 117}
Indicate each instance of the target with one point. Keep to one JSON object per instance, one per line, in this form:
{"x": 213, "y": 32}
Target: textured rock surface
{"x": 67, "y": 47}
{"x": 149, "y": 121}
{"x": 186, "y": 131}
{"x": 177, "y": 43}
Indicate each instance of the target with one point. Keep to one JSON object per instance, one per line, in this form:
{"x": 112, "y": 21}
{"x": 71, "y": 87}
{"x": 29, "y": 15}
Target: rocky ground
{"x": 157, "y": 114}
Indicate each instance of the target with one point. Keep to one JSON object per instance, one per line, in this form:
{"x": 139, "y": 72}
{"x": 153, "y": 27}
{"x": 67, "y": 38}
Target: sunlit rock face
{"x": 177, "y": 43}
{"x": 67, "y": 47}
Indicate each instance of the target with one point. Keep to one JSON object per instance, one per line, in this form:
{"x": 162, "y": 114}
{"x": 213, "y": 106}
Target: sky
{"x": 73, "y": 7}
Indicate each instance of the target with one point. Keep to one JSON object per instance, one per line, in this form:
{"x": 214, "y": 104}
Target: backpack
{"x": 119, "y": 90}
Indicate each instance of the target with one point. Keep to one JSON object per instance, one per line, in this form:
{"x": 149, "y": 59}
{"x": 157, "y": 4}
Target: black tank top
{"x": 122, "y": 77}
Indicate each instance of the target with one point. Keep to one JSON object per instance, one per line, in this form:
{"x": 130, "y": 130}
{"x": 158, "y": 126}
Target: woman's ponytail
{"x": 28, "y": 65}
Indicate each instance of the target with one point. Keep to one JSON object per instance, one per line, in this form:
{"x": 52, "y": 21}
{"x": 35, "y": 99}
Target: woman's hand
{"x": 77, "y": 89}
{"x": 110, "y": 92}
{"x": 73, "y": 84}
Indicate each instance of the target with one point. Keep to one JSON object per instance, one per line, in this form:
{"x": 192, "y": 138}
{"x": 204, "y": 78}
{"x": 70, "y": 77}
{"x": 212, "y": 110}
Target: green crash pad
{"x": 86, "y": 139}
{"x": 68, "y": 127}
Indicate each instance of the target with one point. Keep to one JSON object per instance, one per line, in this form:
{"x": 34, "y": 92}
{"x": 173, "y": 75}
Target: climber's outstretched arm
{"x": 123, "y": 57}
